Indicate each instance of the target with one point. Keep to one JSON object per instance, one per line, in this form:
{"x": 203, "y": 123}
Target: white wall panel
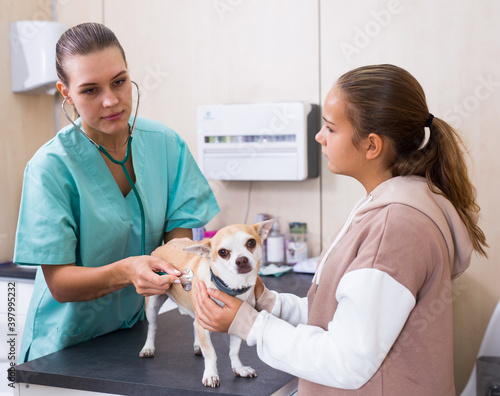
{"x": 458, "y": 69}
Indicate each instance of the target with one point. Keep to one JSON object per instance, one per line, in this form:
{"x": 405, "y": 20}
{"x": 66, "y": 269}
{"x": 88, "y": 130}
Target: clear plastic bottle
{"x": 296, "y": 244}
{"x": 276, "y": 245}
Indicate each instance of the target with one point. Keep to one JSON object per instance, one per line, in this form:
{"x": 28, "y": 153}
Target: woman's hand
{"x": 143, "y": 273}
{"x": 212, "y": 316}
{"x": 71, "y": 283}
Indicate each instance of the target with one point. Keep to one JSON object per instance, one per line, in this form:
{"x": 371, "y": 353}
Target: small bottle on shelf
{"x": 276, "y": 246}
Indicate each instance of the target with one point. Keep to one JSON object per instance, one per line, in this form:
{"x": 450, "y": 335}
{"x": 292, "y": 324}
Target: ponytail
{"x": 443, "y": 164}
{"x": 389, "y": 101}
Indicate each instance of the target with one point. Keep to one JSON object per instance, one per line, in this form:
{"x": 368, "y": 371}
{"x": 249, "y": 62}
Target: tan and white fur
{"x": 233, "y": 255}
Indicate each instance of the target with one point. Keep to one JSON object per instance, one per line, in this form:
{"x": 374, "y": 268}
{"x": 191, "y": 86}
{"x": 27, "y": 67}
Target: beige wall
{"x": 26, "y": 121}
{"x": 188, "y": 53}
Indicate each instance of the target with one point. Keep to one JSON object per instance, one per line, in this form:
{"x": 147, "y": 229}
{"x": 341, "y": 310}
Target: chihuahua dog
{"x": 229, "y": 261}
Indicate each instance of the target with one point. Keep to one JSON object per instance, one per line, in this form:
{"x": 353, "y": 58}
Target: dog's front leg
{"x": 234, "y": 355}
{"x": 154, "y": 305}
{"x": 196, "y": 344}
{"x": 211, "y": 374}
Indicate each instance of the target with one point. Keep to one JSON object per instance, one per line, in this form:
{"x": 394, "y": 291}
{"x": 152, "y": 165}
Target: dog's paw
{"x": 197, "y": 350}
{"x": 211, "y": 380}
{"x": 147, "y": 353}
{"x": 244, "y": 371}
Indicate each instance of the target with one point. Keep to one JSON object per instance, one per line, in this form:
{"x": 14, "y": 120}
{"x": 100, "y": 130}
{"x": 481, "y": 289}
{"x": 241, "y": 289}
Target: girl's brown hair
{"x": 389, "y": 101}
{"x": 83, "y": 39}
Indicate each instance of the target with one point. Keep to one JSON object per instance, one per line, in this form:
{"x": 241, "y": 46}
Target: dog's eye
{"x": 223, "y": 253}
{"x": 251, "y": 243}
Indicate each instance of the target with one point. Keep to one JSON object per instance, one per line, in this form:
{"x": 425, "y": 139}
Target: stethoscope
{"x": 186, "y": 275}
{"x": 121, "y": 163}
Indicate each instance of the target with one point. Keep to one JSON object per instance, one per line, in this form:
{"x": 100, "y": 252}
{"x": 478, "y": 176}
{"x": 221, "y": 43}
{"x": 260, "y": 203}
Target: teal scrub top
{"x": 72, "y": 211}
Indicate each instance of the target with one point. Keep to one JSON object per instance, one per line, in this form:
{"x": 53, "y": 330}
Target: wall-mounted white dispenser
{"x": 32, "y": 51}
{"x": 262, "y": 141}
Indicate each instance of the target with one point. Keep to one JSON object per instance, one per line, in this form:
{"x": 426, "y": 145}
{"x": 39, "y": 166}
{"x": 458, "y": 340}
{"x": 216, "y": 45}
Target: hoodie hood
{"x": 414, "y": 191}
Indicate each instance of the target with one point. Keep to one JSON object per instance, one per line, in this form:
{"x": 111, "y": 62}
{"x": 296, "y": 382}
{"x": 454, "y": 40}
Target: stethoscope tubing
{"x": 121, "y": 163}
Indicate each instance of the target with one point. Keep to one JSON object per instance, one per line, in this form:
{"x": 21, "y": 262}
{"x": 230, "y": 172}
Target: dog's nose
{"x": 242, "y": 261}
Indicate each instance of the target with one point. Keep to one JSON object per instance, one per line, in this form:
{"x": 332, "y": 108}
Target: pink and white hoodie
{"x": 378, "y": 317}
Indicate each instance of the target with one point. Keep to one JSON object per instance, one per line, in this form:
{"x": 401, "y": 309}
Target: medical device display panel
{"x": 262, "y": 141}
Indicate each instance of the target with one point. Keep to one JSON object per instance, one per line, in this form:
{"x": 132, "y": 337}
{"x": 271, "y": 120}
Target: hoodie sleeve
{"x": 372, "y": 310}
{"x": 288, "y": 307}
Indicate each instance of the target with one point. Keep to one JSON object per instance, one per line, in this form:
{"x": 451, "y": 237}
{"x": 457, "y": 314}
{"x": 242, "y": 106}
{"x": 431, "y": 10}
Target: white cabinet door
{"x": 15, "y": 295}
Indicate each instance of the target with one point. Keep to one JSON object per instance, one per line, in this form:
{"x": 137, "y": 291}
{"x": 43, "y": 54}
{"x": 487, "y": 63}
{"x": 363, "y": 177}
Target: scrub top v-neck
{"x": 72, "y": 211}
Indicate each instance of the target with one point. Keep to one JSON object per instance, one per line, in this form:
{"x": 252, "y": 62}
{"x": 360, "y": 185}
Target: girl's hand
{"x": 143, "y": 273}
{"x": 259, "y": 288}
{"x": 212, "y": 316}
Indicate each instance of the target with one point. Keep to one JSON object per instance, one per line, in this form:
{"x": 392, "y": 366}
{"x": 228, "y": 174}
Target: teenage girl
{"x": 378, "y": 317}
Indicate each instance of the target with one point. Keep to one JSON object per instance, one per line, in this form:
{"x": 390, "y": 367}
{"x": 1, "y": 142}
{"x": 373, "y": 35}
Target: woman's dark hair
{"x": 83, "y": 39}
{"x": 389, "y": 101}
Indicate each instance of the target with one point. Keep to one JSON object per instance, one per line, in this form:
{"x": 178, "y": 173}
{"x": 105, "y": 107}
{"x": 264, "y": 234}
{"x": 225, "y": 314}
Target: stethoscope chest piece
{"x": 187, "y": 279}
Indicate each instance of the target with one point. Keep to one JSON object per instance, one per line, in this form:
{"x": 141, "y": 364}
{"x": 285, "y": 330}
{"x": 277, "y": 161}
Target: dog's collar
{"x": 225, "y": 288}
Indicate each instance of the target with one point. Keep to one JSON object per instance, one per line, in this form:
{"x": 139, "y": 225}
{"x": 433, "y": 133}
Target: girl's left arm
{"x": 372, "y": 310}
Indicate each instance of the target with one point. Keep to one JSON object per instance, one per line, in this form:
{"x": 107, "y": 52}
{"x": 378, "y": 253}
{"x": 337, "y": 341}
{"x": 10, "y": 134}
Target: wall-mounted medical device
{"x": 261, "y": 141}
{"x": 33, "y": 54}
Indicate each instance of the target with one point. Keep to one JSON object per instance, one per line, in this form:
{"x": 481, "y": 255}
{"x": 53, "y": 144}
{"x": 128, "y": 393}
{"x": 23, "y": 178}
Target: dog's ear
{"x": 202, "y": 249}
{"x": 263, "y": 228}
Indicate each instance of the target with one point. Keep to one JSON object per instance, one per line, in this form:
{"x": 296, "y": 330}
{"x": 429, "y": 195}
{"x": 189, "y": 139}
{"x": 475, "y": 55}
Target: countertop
{"x": 11, "y": 270}
{"x": 111, "y": 363}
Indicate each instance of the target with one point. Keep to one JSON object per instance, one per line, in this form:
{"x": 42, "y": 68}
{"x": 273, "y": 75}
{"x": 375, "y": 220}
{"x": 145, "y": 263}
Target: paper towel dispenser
{"x": 261, "y": 141}
{"x": 33, "y": 55}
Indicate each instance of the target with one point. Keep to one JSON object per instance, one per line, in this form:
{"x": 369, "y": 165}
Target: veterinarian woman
{"x": 377, "y": 319}
{"x": 79, "y": 218}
